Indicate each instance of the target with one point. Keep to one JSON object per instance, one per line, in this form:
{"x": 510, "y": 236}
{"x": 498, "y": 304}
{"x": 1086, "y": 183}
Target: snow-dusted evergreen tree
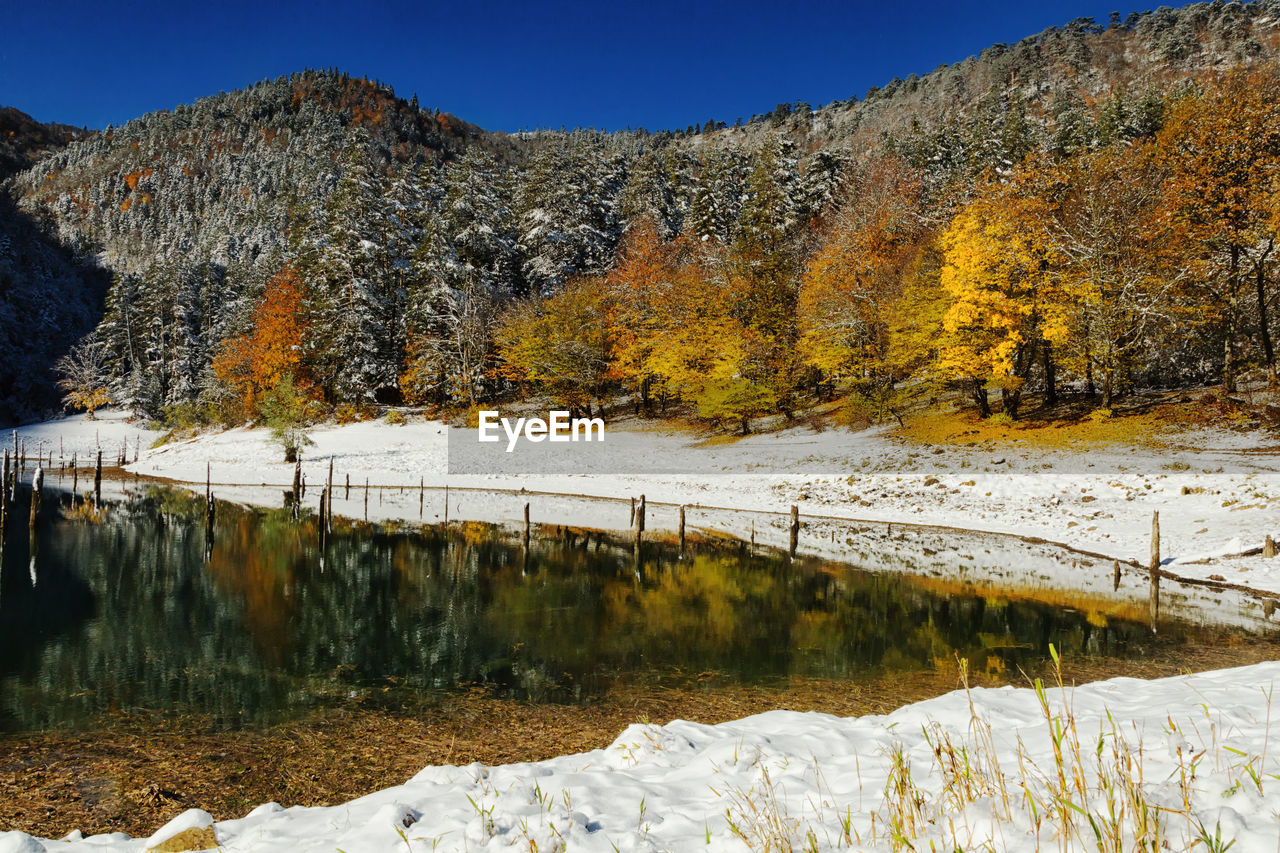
{"x": 1072, "y": 130}
{"x": 563, "y": 229}
{"x": 648, "y": 195}
{"x": 716, "y": 200}
{"x": 353, "y": 351}
{"x": 604, "y": 170}
{"x": 200, "y": 304}
{"x": 435, "y": 278}
{"x": 823, "y": 179}
{"x": 477, "y": 217}
{"x": 774, "y": 197}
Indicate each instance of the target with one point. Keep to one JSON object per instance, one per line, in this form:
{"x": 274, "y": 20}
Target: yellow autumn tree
{"x": 642, "y": 286}
{"x": 1000, "y": 274}
{"x": 562, "y": 345}
{"x": 704, "y": 353}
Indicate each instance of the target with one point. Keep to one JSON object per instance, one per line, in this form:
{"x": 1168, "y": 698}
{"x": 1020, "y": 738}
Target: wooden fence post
{"x": 795, "y": 529}
{"x": 1155, "y": 570}
{"x": 97, "y": 480}
{"x": 682, "y": 530}
{"x": 37, "y": 487}
{"x": 324, "y": 494}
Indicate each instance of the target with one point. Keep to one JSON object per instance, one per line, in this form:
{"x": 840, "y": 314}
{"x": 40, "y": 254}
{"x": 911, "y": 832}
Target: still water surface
{"x": 132, "y": 614}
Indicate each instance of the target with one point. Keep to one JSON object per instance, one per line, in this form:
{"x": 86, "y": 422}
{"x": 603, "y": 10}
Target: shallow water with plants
{"x": 135, "y": 612}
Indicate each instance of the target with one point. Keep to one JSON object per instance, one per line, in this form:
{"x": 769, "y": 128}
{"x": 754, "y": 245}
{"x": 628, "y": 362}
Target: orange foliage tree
{"x": 854, "y": 280}
{"x": 1223, "y": 153}
{"x": 643, "y": 284}
{"x": 271, "y": 352}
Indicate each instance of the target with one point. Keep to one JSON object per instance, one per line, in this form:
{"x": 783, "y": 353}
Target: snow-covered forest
{"x": 1031, "y": 219}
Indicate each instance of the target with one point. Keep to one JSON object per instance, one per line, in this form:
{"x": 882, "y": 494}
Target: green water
{"x": 131, "y": 614}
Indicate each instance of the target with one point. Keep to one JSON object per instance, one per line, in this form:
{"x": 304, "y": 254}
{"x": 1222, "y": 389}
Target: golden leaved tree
{"x": 643, "y": 285}
{"x": 563, "y": 344}
{"x": 1006, "y": 303}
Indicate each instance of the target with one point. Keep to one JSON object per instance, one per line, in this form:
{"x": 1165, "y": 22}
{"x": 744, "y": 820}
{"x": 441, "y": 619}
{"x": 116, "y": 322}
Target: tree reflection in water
{"x": 128, "y": 614}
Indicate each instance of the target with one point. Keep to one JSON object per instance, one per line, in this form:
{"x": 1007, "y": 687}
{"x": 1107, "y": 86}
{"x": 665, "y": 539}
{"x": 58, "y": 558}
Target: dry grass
{"x": 1104, "y": 793}
{"x": 965, "y": 427}
{"x": 133, "y": 773}
{"x": 84, "y": 510}
{"x": 1150, "y": 420}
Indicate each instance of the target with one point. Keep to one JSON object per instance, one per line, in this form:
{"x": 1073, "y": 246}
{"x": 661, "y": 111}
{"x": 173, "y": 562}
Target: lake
{"x": 134, "y": 613}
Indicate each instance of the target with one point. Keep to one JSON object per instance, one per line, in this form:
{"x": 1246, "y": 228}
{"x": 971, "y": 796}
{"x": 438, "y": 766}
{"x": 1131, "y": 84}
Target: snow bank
{"x": 1215, "y": 491}
{"x": 1163, "y": 760}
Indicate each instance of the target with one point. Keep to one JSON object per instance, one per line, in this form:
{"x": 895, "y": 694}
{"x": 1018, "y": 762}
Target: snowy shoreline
{"x": 1169, "y": 761}
{"x": 1213, "y": 489}
{"x": 1194, "y": 744}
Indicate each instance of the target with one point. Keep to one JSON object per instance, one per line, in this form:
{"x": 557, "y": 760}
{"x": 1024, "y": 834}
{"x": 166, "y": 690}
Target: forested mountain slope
{"x": 23, "y": 140}
{"x": 48, "y": 299}
{"x": 372, "y": 243}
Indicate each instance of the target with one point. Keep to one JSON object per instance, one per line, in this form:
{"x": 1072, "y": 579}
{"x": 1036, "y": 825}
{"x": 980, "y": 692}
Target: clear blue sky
{"x": 504, "y": 66}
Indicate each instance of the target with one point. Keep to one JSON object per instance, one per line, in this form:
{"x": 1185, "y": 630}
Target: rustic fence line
{"x": 14, "y": 466}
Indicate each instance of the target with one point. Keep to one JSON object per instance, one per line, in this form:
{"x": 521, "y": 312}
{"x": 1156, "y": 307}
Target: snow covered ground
{"x": 1215, "y": 490}
{"x": 1158, "y": 765}
{"x": 1141, "y": 765}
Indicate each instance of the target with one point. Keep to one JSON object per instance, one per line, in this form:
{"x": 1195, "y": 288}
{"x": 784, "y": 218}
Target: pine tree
{"x": 648, "y": 197}
{"x": 358, "y": 355}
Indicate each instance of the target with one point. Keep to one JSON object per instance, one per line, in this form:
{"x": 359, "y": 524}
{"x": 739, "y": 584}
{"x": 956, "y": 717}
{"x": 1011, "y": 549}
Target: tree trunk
{"x": 1089, "y": 388}
{"x": 1050, "y": 377}
{"x": 980, "y": 398}
{"x": 1228, "y": 347}
{"x": 1012, "y": 399}
{"x": 1108, "y": 382}
{"x": 1228, "y": 363}
{"x": 1268, "y": 351}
